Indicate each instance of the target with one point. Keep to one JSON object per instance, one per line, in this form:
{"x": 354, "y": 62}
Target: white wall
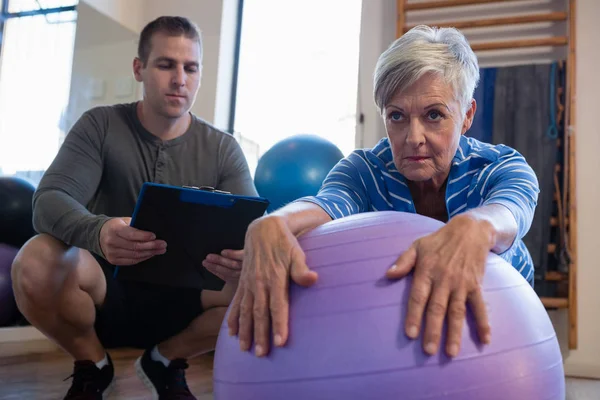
{"x": 122, "y": 11}
{"x": 379, "y": 31}
{"x": 102, "y": 63}
{"x": 99, "y": 51}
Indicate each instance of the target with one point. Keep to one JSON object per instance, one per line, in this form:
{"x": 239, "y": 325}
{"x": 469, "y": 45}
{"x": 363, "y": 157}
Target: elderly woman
{"x": 424, "y": 84}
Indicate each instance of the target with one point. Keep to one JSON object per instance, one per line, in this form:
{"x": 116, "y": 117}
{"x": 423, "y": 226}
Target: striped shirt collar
{"x": 456, "y": 191}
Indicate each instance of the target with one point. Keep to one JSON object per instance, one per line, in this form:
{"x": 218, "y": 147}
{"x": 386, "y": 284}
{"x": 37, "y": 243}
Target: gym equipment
{"x": 294, "y": 167}
{"x": 347, "y": 336}
{"x": 16, "y": 211}
{"x": 8, "y": 307}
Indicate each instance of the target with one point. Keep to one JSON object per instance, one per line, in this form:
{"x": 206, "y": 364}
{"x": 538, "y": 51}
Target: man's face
{"x": 171, "y": 77}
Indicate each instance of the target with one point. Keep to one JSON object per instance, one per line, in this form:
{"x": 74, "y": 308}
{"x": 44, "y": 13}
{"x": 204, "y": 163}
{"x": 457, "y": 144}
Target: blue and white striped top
{"x": 481, "y": 174}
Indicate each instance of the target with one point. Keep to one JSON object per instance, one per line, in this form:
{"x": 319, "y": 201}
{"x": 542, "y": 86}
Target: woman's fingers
{"x": 477, "y": 304}
{"x": 233, "y": 319}
{"x": 417, "y": 301}
{"x": 246, "y": 323}
{"x": 404, "y": 264}
{"x": 262, "y": 320}
{"x": 457, "y": 311}
{"x": 434, "y": 317}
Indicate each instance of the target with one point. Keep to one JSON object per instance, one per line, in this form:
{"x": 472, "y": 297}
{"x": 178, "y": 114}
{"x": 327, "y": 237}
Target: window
{"x": 298, "y": 73}
{"x": 35, "y": 74}
{"x": 18, "y": 6}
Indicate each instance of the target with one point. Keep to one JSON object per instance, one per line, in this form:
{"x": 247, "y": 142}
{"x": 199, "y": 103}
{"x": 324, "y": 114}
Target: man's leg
{"x": 201, "y": 334}
{"x": 57, "y": 288}
{"x": 162, "y": 368}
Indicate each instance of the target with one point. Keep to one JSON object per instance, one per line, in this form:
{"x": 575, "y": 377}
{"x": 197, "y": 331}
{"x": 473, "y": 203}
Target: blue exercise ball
{"x": 295, "y": 167}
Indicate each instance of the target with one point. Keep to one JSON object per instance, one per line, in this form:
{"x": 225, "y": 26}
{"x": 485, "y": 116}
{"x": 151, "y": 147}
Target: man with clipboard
{"x": 64, "y": 278}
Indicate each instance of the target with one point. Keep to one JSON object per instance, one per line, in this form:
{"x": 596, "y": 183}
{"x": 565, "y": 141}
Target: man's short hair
{"x": 171, "y": 26}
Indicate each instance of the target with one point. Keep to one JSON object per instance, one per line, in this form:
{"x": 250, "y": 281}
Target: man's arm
{"x": 234, "y": 174}
{"x": 59, "y": 203}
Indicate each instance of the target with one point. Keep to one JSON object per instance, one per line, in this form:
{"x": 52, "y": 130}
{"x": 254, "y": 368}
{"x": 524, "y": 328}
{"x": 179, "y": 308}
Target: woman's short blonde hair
{"x": 443, "y": 51}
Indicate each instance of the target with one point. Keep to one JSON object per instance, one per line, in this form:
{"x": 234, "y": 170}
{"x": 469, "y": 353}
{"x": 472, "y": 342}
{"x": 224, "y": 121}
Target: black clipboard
{"x": 194, "y": 222}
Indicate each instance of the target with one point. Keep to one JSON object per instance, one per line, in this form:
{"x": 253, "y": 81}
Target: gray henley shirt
{"x": 107, "y": 156}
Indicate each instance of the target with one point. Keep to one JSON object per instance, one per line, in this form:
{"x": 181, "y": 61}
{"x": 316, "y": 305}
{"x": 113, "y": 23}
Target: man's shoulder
{"x": 103, "y": 115}
{"x": 210, "y": 132}
{"x": 210, "y": 135}
{"x": 110, "y": 110}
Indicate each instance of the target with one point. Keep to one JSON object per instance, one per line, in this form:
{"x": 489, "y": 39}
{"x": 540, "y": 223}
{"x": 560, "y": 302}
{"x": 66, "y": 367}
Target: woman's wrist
{"x": 483, "y": 226}
{"x": 498, "y": 222}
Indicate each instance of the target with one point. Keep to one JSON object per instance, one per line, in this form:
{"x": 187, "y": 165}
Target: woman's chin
{"x": 416, "y": 174}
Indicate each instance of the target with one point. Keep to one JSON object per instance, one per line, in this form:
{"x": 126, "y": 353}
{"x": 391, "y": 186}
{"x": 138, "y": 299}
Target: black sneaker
{"x": 166, "y": 383}
{"x": 89, "y": 382}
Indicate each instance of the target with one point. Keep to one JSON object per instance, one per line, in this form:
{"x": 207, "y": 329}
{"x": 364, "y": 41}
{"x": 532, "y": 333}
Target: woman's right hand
{"x": 122, "y": 244}
{"x": 271, "y": 256}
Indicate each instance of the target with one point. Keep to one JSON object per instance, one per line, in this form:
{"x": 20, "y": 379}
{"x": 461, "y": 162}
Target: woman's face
{"x": 424, "y": 124}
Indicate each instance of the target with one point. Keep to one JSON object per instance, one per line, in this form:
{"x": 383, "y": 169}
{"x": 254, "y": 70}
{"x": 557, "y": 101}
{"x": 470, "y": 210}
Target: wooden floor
{"x": 41, "y": 376}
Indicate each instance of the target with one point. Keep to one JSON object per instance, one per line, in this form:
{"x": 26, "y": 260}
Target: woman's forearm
{"x": 499, "y": 222}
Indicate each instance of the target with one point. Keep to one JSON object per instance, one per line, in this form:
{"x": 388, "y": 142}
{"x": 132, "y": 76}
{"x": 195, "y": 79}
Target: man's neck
{"x": 161, "y": 127}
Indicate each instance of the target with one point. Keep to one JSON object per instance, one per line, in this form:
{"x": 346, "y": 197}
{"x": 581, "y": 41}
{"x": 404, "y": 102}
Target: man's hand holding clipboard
{"x": 227, "y": 265}
{"x": 123, "y": 244}
{"x": 194, "y": 223}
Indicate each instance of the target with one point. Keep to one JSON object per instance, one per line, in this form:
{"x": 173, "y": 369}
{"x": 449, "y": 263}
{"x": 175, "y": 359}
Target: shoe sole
{"x": 144, "y": 378}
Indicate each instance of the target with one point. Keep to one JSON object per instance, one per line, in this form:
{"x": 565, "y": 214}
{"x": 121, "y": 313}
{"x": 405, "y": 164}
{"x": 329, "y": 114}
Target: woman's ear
{"x": 469, "y": 117}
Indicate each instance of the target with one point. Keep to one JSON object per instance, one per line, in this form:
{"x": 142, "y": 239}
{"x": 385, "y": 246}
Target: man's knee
{"x": 37, "y": 271}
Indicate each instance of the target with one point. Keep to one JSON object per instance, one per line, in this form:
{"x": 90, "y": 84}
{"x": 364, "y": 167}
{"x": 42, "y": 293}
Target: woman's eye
{"x": 395, "y": 116}
{"x": 434, "y": 115}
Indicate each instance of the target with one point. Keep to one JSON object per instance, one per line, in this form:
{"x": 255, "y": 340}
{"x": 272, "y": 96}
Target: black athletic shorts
{"x": 141, "y": 315}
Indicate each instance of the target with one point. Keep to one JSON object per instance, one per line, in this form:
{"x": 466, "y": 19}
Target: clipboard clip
{"x": 207, "y": 189}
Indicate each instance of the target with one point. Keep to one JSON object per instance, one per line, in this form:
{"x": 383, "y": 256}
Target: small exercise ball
{"x": 16, "y": 212}
{"x": 347, "y": 340}
{"x": 294, "y": 167}
{"x": 8, "y": 307}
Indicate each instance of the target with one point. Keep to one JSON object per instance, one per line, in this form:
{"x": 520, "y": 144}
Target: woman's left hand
{"x": 227, "y": 265}
{"x": 448, "y": 268}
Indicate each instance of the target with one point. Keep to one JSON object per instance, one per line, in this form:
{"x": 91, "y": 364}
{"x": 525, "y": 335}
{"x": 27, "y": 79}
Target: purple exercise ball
{"x": 8, "y": 307}
{"x": 347, "y": 336}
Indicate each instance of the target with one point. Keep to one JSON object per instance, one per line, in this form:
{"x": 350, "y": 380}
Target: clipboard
{"x": 195, "y": 222}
